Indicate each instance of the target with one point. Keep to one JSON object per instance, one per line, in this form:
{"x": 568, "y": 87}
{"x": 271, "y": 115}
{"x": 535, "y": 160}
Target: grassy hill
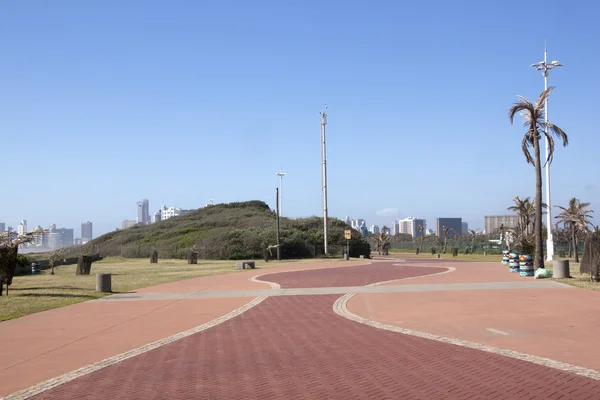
{"x": 228, "y": 231}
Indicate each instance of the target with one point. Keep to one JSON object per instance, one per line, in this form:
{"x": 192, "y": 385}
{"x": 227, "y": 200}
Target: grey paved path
{"x": 336, "y": 290}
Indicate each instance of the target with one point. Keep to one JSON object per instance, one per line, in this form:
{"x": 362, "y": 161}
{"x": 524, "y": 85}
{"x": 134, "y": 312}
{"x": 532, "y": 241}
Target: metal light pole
{"x": 280, "y": 174}
{"x": 324, "y": 177}
{"x": 545, "y": 67}
{"x": 277, "y": 222}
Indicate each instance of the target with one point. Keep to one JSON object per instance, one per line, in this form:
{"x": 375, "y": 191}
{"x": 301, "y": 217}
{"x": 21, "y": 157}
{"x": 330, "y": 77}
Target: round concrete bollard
{"x": 560, "y": 269}
{"x": 103, "y": 283}
{"x": 438, "y": 256}
{"x": 346, "y": 256}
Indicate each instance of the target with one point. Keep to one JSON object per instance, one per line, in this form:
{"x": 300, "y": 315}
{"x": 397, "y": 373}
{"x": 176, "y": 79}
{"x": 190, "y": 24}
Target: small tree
{"x": 54, "y": 258}
{"x": 9, "y": 248}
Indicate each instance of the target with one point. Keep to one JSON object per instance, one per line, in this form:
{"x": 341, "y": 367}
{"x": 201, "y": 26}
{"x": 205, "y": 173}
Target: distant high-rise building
{"x": 59, "y": 238}
{"x": 348, "y": 220}
{"x": 128, "y": 223}
{"x": 2, "y": 226}
{"x": 143, "y": 216}
{"x": 465, "y": 228}
{"x": 395, "y": 228}
{"x": 410, "y": 225}
{"x": 374, "y": 229}
{"x": 455, "y": 225}
{"x": 86, "y": 231}
{"x": 494, "y": 222}
{"x": 22, "y": 229}
{"x": 157, "y": 217}
{"x": 38, "y": 238}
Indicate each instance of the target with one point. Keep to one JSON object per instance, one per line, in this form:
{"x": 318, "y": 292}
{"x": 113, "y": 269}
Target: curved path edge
{"x": 88, "y": 369}
{"x": 340, "y": 307}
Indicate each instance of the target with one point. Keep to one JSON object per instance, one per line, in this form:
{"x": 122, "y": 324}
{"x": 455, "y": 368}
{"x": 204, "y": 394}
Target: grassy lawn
{"x": 448, "y": 256}
{"x": 33, "y": 293}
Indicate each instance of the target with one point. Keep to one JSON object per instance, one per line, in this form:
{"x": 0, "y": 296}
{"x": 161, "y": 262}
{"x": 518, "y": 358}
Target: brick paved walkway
{"x": 350, "y": 276}
{"x": 297, "y": 348}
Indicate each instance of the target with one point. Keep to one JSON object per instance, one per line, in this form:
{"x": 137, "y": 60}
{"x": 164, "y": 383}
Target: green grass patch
{"x": 34, "y": 293}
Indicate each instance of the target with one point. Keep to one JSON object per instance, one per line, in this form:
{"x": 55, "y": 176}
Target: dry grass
{"x": 578, "y": 280}
{"x": 34, "y": 293}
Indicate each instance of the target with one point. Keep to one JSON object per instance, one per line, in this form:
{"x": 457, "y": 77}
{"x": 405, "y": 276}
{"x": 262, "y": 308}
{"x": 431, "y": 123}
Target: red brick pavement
{"x": 359, "y": 275}
{"x": 298, "y": 348}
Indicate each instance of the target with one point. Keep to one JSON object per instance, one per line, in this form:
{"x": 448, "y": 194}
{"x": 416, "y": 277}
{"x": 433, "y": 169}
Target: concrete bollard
{"x": 346, "y": 256}
{"x": 438, "y": 256}
{"x": 103, "y": 283}
{"x": 560, "y": 269}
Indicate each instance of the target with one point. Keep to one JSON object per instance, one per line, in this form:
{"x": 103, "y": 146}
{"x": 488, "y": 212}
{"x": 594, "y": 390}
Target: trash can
{"x": 35, "y": 268}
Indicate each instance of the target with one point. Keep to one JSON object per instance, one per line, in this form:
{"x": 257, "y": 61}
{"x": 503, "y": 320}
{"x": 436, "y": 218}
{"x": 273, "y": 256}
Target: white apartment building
{"x": 410, "y": 225}
{"x": 22, "y": 228}
{"x": 169, "y": 212}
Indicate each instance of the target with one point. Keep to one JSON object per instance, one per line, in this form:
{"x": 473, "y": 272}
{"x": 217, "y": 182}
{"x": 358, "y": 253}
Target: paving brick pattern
{"x": 298, "y": 348}
{"x": 359, "y": 275}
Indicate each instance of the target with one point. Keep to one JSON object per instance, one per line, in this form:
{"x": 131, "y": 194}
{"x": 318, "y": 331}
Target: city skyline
{"x": 270, "y": 75}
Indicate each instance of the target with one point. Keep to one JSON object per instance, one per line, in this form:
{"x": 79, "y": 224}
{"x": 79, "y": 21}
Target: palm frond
{"x": 525, "y": 147}
{"x": 540, "y": 104}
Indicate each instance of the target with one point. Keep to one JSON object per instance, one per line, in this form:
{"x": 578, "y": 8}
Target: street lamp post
{"x": 545, "y": 67}
{"x": 280, "y": 174}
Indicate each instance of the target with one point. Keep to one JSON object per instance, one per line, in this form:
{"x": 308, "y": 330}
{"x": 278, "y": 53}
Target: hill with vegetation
{"x": 228, "y": 231}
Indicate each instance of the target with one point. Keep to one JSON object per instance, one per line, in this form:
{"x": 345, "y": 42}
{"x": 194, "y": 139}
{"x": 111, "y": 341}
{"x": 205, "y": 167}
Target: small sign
{"x": 348, "y": 234}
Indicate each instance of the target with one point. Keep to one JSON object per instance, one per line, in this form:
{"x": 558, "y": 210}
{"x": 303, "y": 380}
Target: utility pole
{"x": 545, "y": 67}
{"x": 324, "y": 176}
{"x": 277, "y": 212}
{"x": 280, "y": 174}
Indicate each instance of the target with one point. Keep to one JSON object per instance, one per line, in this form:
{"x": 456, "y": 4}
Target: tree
{"x": 446, "y": 231}
{"x": 533, "y": 120}
{"x": 421, "y": 229}
{"x": 575, "y": 217}
{"x": 382, "y": 240}
{"x": 474, "y": 233}
{"x": 9, "y": 248}
{"x": 54, "y": 258}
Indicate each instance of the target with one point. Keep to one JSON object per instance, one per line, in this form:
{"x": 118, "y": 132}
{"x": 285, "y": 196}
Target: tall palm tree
{"x": 533, "y": 118}
{"x": 421, "y": 229}
{"x": 575, "y": 216}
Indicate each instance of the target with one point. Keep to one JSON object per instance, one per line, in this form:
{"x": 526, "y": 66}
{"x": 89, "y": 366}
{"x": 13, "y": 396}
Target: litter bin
{"x": 35, "y": 268}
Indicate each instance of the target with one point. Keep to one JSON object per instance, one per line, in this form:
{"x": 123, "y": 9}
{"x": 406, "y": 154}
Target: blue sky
{"x": 103, "y": 103}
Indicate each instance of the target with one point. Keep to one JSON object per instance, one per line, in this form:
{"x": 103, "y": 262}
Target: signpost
{"x": 348, "y": 236}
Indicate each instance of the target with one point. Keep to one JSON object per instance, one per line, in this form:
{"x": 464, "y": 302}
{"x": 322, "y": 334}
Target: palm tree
{"x": 525, "y": 210}
{"x": 533, "y": 117}
{"x": 421, "y": 229}
{"x": 576, "y": 217}
{"x": 473, "y": 233}
{"x": 446, "y": 231}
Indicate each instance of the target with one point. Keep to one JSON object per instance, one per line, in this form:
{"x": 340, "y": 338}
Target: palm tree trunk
{"x": 537, "y": 226}
{"x": 574, "y": 233}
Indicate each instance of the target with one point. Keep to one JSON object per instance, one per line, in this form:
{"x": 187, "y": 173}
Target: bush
{"x": 23, "y": 260}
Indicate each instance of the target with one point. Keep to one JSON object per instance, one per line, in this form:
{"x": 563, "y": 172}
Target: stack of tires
{"x": 526, "y": 265}
{"x": 505, "y": 256}
{"x": 513, "y": 262}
